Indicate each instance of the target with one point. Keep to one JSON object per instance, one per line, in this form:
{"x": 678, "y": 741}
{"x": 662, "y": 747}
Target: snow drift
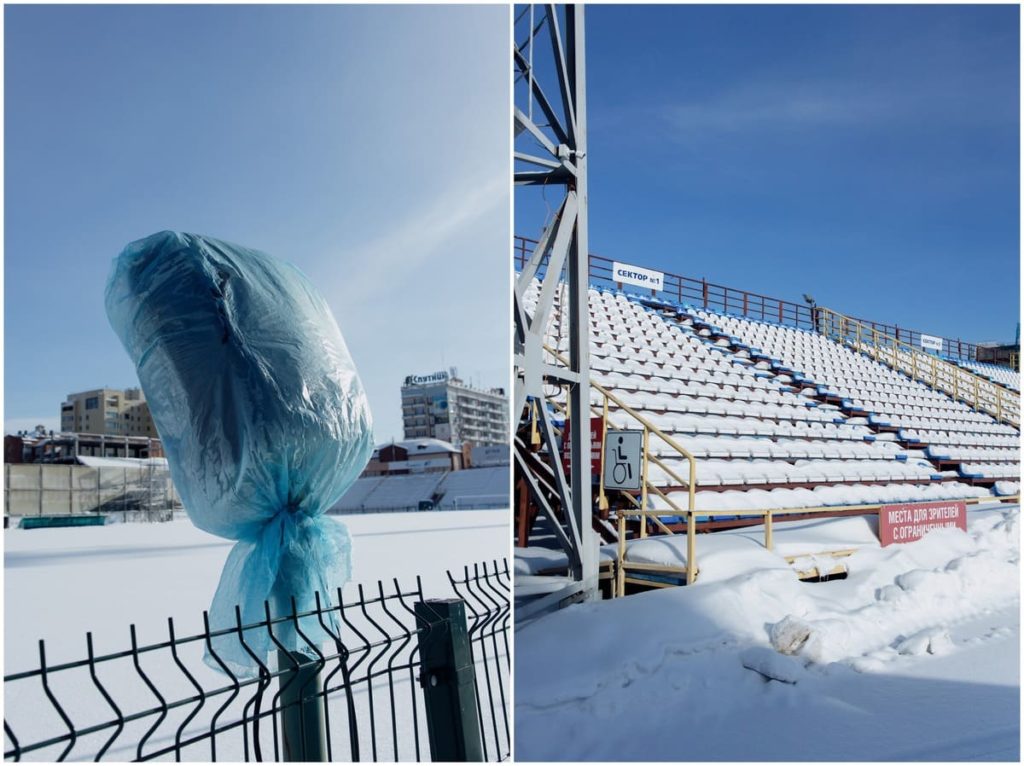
{"x": 763, "y": 667}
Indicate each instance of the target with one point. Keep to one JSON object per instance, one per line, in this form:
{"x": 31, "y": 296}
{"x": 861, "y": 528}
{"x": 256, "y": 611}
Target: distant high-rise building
{"x": 109, "y": 411}
{"x": 441, "y": 406}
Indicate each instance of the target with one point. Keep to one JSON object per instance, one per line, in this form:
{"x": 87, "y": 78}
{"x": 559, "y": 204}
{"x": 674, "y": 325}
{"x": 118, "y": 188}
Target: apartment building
{"x": 108, "y": 411}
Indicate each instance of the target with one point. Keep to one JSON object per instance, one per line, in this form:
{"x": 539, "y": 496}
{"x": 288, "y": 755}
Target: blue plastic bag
{"x": 262, "y": 417}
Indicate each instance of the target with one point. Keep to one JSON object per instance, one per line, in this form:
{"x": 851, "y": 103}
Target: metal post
{"x": 643, "y": 486}
{"x": 620, "y": 573}
{"x": 578, "y": 273}
{"x": 303, "y": 730}
{"x": 691, "y": 547}
{"x": 447, "y": 678}
{"x": 602, "y": 499}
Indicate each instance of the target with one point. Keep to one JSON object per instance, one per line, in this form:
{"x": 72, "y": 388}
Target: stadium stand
{"x": 355, "y": 497}
{"x": 398, "y": 492}
{"x": 886, "y": 398}
{"x": 812, "y": 416}
{"x": 780, "y": 417}
{"x": 475, "y": 488}
{"x": 468, "y": 488}
{"x": 1004, "y": 376}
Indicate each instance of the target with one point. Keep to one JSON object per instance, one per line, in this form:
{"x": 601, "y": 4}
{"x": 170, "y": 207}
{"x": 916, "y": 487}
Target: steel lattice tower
{"x": 550, "y": 129}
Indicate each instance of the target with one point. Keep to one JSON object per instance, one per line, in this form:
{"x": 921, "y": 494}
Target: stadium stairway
{"x": 535, "y": 525}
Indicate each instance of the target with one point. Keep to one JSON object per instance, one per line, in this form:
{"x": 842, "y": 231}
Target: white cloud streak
{"x": 781, "y": 106}
{"x": 419, "y": 236}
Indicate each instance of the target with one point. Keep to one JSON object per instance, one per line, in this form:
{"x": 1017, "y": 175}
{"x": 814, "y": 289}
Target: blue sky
{"x": 866, "y": 155}
{"x": 367, "y": 145}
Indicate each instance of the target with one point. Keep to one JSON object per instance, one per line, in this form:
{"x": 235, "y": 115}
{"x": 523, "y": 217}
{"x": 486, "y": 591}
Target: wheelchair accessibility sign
{"x": 622, "y": 459}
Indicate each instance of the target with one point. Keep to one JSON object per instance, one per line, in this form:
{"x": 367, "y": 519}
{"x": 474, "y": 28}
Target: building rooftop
{"x": 122, "y": 462}
{"x": 419, "y": 446}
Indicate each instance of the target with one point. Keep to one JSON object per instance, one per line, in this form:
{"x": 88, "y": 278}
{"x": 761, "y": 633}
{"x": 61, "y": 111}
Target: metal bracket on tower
{"x": 550, "y": 151}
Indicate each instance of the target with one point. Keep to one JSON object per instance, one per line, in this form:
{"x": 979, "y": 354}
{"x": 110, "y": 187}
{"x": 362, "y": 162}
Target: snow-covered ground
{"x": 915, "y": 656}
{"x": 60, "y": 583}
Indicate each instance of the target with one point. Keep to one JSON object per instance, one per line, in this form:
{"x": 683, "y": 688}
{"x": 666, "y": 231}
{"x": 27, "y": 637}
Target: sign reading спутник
{"x": 423, "y": 380}
{"x": 910, "y": 521}
{"x": 634, "y": 275}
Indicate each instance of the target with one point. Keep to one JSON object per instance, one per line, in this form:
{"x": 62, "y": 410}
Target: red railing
{"x": 700, "y": 292}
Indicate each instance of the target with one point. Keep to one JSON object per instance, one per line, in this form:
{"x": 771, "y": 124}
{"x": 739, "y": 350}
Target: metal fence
{"x": 475, "y": 502}
{"x": 700, "y": 292}
{"x": 487, "y": 599}
{"x": 46, "y": 489}
{"x": 405, "y": 678}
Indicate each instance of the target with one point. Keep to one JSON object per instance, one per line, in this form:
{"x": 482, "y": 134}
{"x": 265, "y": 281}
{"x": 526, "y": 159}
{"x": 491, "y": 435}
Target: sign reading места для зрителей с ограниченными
{"x": 910, "y": 521}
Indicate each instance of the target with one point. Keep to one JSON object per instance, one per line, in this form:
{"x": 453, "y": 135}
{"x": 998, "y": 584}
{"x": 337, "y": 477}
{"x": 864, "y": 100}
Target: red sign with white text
{"x": 910, "y": 521}
{"x": 596, "y": 438}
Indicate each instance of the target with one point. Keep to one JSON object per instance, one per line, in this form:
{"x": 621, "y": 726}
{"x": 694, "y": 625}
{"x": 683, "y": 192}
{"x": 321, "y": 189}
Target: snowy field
{"x": 915, "y": 656}
{"x": 60, "y": 583}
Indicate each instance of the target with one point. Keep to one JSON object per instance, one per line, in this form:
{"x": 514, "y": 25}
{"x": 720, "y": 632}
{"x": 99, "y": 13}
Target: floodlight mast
{"x": 562, "y": 162}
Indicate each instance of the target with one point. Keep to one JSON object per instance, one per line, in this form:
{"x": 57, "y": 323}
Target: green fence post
{"x": 447, "y": 678}
{"x": 303, "y": 727}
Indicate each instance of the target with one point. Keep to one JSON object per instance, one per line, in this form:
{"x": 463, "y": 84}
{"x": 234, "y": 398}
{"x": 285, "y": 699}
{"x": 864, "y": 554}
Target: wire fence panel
{"x": 486, "y": 593}
{"x": 46, "y": 489}
{"x": 165, "y": 701}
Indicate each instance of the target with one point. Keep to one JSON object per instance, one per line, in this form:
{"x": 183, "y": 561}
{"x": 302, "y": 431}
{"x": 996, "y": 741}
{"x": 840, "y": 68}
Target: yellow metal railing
{"x": 977, "y": 392}
{"x": 771, "y": 515}
{"x": 638, "y": 507}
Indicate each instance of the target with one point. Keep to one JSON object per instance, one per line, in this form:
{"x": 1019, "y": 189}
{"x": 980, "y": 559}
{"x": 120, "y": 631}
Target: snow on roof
{"x": 421, "y": 446}
{"x": 122, "y": 462}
